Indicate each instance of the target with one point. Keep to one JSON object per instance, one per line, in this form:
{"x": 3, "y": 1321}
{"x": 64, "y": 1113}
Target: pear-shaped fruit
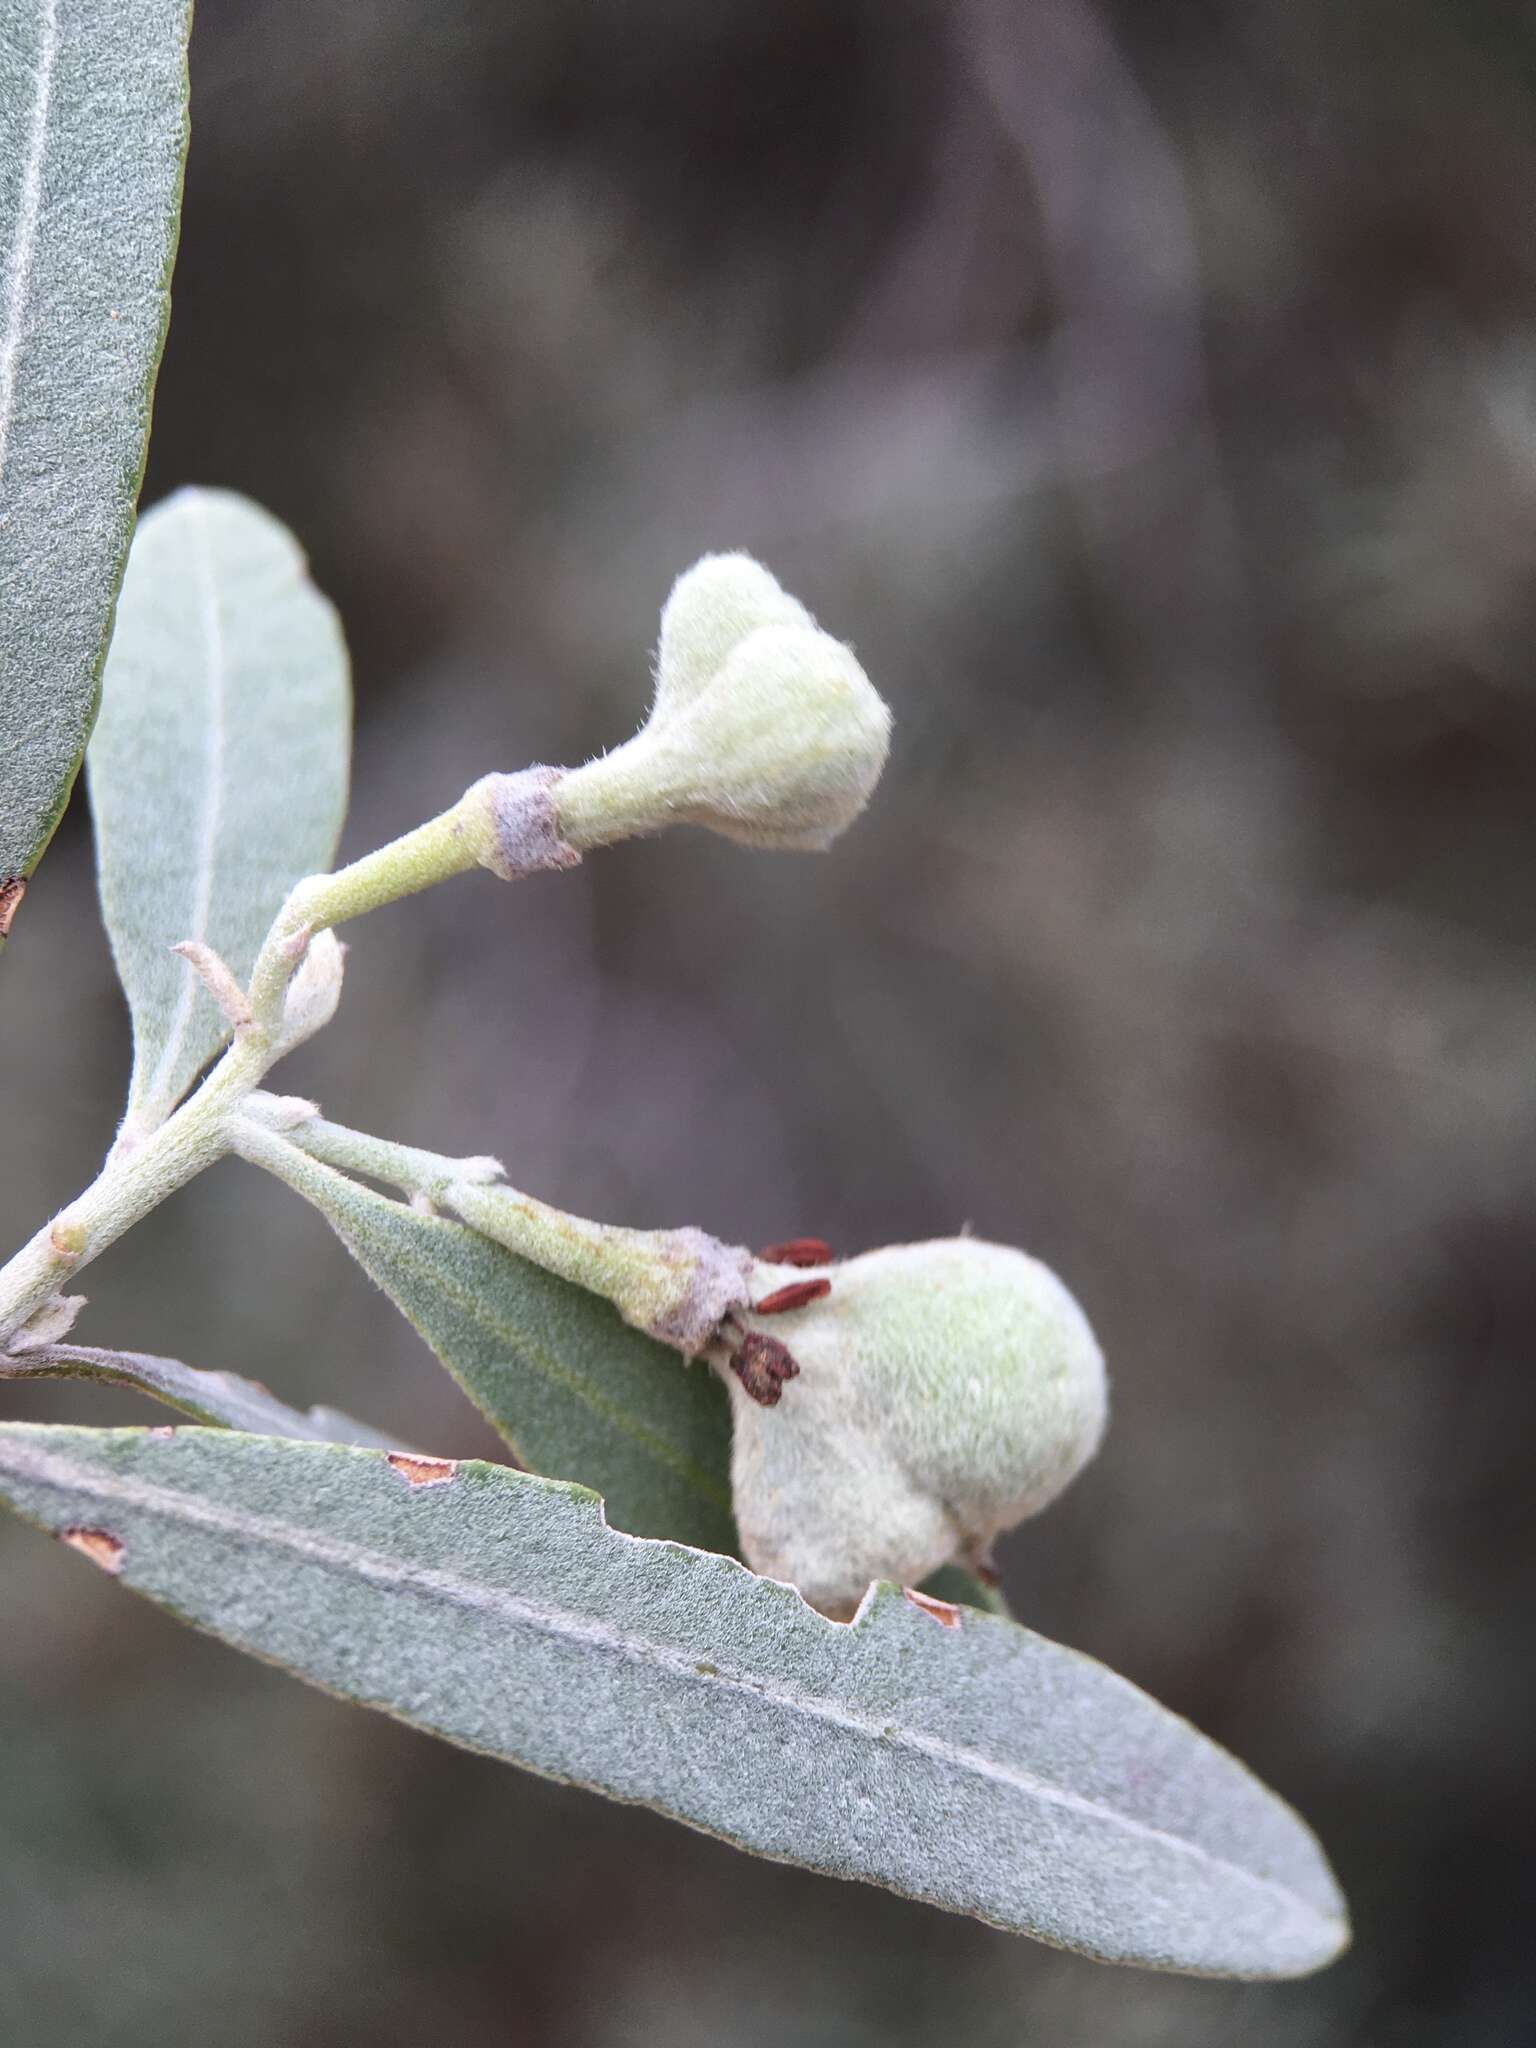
{"x": 945, "y": 1391}
{"x": 764, "y": 728}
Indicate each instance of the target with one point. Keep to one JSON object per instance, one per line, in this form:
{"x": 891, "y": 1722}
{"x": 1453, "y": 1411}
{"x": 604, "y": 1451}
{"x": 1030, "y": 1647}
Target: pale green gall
{"x": 780, "y": 745}
{"x": 944, "y": 1392}
{"x": 712, "y": 609}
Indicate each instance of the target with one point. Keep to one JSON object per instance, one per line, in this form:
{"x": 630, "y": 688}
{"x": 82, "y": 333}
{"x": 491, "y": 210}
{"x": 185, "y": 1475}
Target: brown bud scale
{"x": 797, "y": 1251}
{"x": 762, "y": 1364}
{"x": 795, "y": 1295}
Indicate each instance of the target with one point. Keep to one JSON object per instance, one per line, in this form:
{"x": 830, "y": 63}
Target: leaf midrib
{"x": 18, "y": 270}
{"x": 161, "y": 1083}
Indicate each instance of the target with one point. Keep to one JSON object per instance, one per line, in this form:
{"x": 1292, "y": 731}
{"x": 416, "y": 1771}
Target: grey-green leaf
{"x": 573, "y": 1389}
{"x": 93, "y": 131}
{"x": 220, "y": 1398}
{"x": 218, "y": 769}
{"x": 951, "y": 1756}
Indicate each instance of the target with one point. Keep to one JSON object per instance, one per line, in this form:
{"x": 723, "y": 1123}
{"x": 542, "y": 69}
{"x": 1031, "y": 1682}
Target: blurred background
{"x": 1150, "y": 395}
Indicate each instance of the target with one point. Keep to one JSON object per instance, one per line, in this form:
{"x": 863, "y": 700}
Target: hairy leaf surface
{"x": 93, "y": 131}
{"x": 218, "y": 769}
{"x": 571, "y": 1387}
{"x": 951, "y": 1756}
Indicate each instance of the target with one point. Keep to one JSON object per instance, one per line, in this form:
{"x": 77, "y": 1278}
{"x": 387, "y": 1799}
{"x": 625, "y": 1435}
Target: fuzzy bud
{"x": 311, "y": 998}
{"x": 945, "y": 1391}
{"x": 55, "y": 1319}
{"x": 713, "y": 606}
{"x": 764, "y": 729}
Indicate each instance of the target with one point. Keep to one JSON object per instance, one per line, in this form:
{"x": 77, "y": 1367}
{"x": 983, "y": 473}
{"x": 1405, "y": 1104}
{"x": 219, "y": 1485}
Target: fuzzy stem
{"x": 677, "y": 1285}
{"x": 504, "y": 822}
{"x": 127, "y": 1188}
{"x": 412, "y": 1171}
{"x": 431, "y": 853}
{"x": 606, "y": 1258}
{"x": 310, "y": 1157}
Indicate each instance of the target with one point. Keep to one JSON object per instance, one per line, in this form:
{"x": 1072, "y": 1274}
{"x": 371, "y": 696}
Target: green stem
{"x": 675, "y": 1284}
{"x": 146, "y": 1166}
{"x": 412, "y": 1171}
{"x": 127, "y": 1188}
{"x": 606, "y": 1259}
{"x": 621, "y": 1264}
{"x": 507, "y": 823}
{"x": 446, "y": 845}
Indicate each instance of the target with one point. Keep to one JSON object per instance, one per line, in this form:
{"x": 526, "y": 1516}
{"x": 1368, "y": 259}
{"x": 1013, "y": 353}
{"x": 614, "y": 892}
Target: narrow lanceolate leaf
{"x": 221, "y": 1398}
{"x": 93, "y": 130}
{"x": 946, "y": 1754}
{"x": 218, "y": 769}
{"x": 574, "y": 1390}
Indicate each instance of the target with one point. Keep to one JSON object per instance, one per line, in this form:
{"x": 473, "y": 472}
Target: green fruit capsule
{"x": 764, "y": 728}
{"x": 712, "y": 608}
{"x": 945, "y": 1391}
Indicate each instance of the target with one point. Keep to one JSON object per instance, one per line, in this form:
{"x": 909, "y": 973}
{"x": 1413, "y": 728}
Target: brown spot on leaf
{"x": 12, "y": 889}
{"x": 423, "y": 1471}
{"x": 96, "y": 1544}
{"x": 941, "y": 1610}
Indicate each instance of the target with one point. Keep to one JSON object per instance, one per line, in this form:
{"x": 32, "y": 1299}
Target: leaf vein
{"x": 18, "y": 269}
{"x": 216, "y": 664}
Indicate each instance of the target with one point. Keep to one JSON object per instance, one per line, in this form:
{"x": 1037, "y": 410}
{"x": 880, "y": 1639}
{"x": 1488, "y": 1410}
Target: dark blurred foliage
{"x": 1150, "y": 394}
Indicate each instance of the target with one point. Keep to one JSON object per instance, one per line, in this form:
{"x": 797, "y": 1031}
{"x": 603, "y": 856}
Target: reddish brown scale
{"x": 12, "y": 889}
{"x": 798, "y": 1251}
{"x": 795, "y": 1295}
{"x": 763, "y": 1364}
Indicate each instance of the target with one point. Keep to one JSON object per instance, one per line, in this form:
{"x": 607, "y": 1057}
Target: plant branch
{"x": 412, "y": 1171}
{"x": 504, "y": 822}
{"x": 676, "y": 1285}
{"x": 129, "y": 1186}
